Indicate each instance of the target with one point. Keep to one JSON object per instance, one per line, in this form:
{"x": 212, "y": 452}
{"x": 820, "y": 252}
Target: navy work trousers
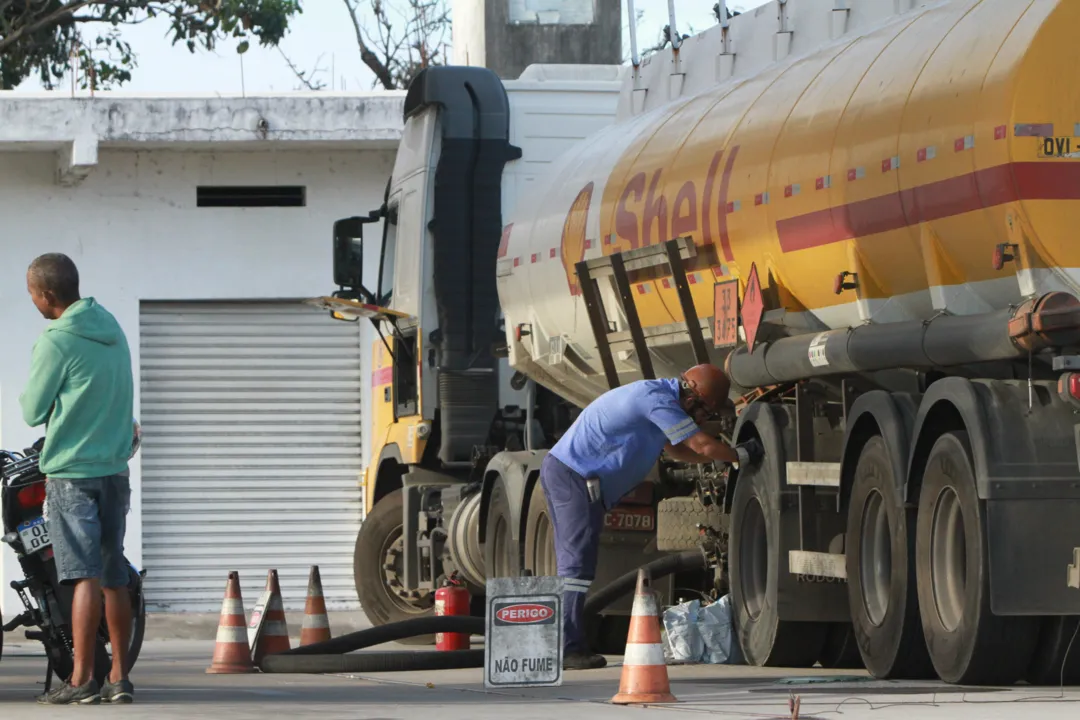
{"x": 577, "y": 523}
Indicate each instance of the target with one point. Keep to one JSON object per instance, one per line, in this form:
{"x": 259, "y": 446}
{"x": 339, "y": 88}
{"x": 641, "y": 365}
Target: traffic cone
{"x": 231, "y": 653}
{"x": 275, "y": 634}
{"x": 644, "y": 673}
{"x": 316, "y": 626}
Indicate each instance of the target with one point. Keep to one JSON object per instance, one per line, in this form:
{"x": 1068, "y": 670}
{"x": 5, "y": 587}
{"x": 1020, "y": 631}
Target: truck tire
{"x": 967, "y": 643}
{"x": 756, "y": 563}
{"x": 1056, "y": 634}
{"x": 841, "y": 652}
{"x": 377, "y": 566}
{"x": 882, "y": 590}
{"x": 501, "y": 553}
{"x": 677, "y": 520}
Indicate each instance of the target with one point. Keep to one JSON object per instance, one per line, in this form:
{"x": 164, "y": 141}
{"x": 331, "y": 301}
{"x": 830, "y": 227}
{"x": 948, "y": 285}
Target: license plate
{"x": 637, "y": 519}
{"x": 34, "y": 535}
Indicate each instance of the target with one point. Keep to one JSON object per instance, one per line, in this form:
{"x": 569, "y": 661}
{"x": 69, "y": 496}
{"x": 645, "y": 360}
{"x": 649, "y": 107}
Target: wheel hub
{"x": 875, "y": 558}
{"x": 393, "y": 558}
{"x": 948, "y": 559}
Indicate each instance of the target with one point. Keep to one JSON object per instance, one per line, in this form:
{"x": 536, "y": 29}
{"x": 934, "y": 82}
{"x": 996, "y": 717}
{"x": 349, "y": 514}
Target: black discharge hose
{"x": 331, "y": 656}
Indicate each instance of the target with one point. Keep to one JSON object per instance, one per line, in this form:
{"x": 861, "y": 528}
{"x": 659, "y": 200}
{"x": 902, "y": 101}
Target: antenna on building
{"x": 633, "y": 35}
{"x": 676, "y": 39}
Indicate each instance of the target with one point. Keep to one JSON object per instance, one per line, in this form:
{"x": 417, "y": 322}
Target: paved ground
{"x": 171, "y": 683}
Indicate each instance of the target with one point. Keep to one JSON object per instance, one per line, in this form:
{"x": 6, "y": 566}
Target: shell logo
{"x": 573, "y": 241}
{"x": 524, "y": 613}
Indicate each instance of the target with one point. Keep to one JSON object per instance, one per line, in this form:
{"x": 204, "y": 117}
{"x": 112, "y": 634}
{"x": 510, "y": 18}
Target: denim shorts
{"x": 86, "y": 519}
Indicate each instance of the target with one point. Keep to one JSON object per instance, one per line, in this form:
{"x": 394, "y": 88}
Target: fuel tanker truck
{"x": 865, "y": 212}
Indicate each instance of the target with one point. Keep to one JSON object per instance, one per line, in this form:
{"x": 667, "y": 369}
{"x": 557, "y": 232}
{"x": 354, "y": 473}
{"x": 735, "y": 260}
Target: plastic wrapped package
{"x": 684, "y": 643}
{"x": 717, "y": 631}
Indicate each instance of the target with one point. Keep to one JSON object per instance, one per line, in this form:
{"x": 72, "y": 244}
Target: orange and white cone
{"x": 275, "y": 635}
{"x": 644, "y": 673}
{"x": 231, "y": 653}
{"x": 316, "y": 626}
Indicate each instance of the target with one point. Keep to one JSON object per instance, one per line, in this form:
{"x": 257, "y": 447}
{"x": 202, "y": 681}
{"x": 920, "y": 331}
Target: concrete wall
{"x": 490, "y": 33}
{"x": 134, "y": 230}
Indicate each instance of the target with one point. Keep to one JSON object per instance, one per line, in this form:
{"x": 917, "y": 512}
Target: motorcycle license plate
{"x": 635, "y": 519}
{"x": 34, "y": 534}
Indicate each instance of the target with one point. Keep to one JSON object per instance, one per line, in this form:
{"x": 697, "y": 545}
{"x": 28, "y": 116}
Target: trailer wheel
{"x": 882, "y": 590}
{"x": 756, "y": 564}
{"x": 501, "y": 556}
{"x": 377, "y": 568}
{"x": 967, "y": 643}
{"x": 539, "y": 536}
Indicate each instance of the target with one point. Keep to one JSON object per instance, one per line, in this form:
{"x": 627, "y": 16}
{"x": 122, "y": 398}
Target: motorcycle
{"x": 47, "y": 602}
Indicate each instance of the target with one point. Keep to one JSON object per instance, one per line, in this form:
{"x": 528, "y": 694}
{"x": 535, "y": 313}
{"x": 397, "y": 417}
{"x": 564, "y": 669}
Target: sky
{"x": 323, "y": 38}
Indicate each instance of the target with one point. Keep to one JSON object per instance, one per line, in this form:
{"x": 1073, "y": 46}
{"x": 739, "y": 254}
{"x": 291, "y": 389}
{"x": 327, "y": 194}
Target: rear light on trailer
{"x": 32, "y": 496}
{"x": 1069, "y": 387}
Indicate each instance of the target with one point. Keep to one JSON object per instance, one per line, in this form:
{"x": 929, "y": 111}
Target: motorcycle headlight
{"x": 136, "y": 440}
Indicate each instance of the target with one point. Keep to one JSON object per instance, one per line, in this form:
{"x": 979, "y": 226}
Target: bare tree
{"x": 396, "y": 39}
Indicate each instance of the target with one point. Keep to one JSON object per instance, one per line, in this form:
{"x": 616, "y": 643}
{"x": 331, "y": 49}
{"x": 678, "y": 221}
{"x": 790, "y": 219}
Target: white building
{"x": 200, "y": 223}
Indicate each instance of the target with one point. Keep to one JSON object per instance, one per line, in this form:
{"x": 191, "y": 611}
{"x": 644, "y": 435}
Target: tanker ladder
{"x": 617, "y": 266}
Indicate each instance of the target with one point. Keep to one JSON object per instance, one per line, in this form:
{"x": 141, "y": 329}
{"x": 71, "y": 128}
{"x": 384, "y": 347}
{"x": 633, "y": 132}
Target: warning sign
{"x": 753, "y": 307}
{"x": 523, "y": 644}
{"x": 726, "y": 314}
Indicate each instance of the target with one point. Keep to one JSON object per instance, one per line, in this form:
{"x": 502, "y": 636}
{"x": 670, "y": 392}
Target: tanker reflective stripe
{"x": 576, "y": 585}
{"x": 934, "y": 201}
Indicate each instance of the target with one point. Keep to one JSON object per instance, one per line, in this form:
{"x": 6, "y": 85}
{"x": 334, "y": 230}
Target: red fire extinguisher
{"x": 452, "y": 599}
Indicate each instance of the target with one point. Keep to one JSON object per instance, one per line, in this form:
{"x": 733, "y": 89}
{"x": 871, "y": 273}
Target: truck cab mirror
{"x": 349, "y": 253}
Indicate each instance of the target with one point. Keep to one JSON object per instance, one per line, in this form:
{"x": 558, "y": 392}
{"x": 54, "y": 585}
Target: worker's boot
{"x": 583, "y": 661}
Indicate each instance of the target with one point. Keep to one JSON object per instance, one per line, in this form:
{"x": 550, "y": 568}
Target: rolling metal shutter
{"x": 252, "y": 454}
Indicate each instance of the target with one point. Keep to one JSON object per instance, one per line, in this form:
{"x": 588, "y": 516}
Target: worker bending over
{"x": 607, "y": 452}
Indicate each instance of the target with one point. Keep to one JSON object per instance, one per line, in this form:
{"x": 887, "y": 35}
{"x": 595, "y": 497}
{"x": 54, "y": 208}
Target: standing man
{"x": 607, "y": 452}
{"x": 81, "y": 387}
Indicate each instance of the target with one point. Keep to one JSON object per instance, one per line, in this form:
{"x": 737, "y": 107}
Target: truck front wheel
{"x": 968, "y": 644}
{"x": 377, "y": 569}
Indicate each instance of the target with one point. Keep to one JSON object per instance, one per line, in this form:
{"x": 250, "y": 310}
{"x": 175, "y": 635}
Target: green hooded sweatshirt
{"x": 81, "y": 387}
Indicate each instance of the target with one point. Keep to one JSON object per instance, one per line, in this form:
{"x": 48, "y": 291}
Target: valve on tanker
{"x": 840, "y": 283}
{"x": 452, "y": 599}
{"x": 1003, "y": 253}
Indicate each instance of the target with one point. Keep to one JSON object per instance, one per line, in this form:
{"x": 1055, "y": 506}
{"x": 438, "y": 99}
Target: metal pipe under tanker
{"x": 904, "y": 155}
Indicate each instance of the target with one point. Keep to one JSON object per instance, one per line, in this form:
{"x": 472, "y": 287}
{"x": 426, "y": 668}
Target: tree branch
{"x": 366, "y": 55}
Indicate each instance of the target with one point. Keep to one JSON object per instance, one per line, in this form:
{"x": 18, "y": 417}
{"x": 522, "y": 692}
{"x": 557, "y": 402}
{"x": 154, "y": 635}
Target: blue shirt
{"x": 620, "y": 435}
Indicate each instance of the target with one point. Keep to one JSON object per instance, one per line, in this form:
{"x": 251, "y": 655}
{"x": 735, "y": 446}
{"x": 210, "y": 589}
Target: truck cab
{"x": 457, "y": 437}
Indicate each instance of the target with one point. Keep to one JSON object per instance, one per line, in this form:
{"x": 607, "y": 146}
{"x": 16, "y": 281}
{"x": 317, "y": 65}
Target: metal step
{"x": 818, "y": 564}
{"x": 818, "y": 474}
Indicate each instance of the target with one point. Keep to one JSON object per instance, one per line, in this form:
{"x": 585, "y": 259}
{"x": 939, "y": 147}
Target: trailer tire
{"x": 882, "y": 587}
{"x": 967, "y": 643}
{"x": 1056, "y": 634}
{"x": 677, "y": 519}
{"x": 841, "y": 652}
{"x": 502, "y": 557}
{"x": 756, "y": 563}
{"x": 539, "y": 536}
{"x": 375, "y": 548}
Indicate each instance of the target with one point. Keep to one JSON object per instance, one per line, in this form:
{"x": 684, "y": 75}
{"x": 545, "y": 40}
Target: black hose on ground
{"x": 683, "y": 562}
{"x": 331, "y": 655}
{"x": 373, "y": 662}
{"x": 391, "y": 632}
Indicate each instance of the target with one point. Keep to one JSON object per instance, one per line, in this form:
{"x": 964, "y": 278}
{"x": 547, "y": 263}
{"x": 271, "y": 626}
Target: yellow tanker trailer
{"x": 868, "y": 217}
{"x": 907, "y": 200}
